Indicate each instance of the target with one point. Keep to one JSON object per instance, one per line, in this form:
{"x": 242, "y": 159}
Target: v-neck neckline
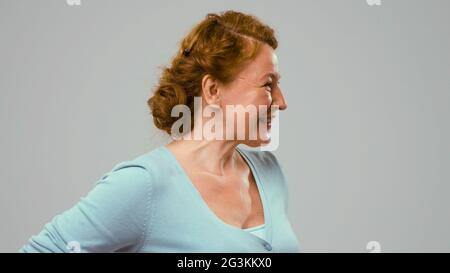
{"x": 204, "y": 205}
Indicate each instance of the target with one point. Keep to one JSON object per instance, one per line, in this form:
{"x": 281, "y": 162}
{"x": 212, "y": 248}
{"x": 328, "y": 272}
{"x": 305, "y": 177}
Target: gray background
{"x": 364, "y": 142}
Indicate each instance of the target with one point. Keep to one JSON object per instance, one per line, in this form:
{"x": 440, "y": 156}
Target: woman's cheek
{"x": 269, "y": 98}
{"x": 267, "y": 102}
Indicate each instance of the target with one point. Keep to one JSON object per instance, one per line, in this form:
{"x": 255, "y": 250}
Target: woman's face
{"x": 256, "y": 86}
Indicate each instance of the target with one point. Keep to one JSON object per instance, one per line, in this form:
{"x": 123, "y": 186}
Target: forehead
{"x": 265, "y": 62}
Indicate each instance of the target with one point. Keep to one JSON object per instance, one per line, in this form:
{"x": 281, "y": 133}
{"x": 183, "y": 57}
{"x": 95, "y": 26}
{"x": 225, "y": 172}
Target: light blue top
{"x": 149, "y": 204}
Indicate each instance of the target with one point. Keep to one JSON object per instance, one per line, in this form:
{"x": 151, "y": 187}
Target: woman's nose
{"x": 278, "y": 99}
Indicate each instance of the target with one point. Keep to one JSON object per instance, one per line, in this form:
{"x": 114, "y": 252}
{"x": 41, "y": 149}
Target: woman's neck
{"x": 217, "y": 156}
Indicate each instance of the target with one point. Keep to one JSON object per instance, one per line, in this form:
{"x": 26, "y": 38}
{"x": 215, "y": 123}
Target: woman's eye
{"x": 268, "y": 86}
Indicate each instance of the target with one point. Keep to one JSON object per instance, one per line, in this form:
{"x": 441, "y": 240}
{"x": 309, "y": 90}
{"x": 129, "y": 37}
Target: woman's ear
{"x": 210, "y": 90}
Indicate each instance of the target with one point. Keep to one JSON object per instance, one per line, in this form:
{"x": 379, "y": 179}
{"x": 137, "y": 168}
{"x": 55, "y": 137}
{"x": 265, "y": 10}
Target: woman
{"x": 195, "y": 194}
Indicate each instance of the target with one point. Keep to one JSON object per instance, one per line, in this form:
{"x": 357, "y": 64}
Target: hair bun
{"x": 166, "y": 97}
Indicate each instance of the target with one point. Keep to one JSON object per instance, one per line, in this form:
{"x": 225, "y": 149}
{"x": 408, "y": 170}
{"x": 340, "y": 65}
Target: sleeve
{"x": 110, "y": 218}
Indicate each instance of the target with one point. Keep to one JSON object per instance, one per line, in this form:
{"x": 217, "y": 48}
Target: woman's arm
{"x": 111, "y": 217}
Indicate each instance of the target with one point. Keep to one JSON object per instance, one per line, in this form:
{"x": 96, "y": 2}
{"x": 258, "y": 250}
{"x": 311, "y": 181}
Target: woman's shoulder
{"x": 142, "y": 169}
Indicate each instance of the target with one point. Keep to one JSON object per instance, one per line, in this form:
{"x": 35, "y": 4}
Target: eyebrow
{"x": 273, "y": 75}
